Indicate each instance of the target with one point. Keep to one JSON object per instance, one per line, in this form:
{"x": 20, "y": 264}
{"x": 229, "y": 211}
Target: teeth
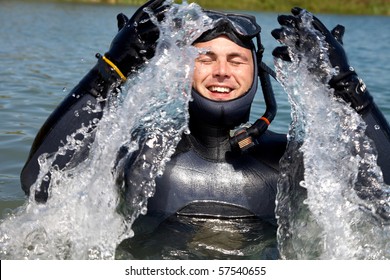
{"x": 219, "y": 89}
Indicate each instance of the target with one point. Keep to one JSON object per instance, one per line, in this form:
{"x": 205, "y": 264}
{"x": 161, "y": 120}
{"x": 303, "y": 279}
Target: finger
{"x": 144, "y": 20}
{"x": 153, "y": 5}
{"x": 122, "y": 20}
{"x": 145, "y": 24}
{"x": 140, "y": 13}
{"x": 317, "y": 24}
{"x": 277, "y": 33}
{"x": 281, "y": 34}
{"x": 287, "y": 20}
{"x": 160, "y": 12}
{"x": 299, "y": 13}
{"x": 338, "y": 33}
{"x": 296, "y": 11}
{"x": 282, "y": 53}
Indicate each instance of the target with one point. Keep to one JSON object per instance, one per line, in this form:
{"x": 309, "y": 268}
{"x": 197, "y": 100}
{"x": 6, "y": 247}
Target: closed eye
{"x": 206, "y": 58}
{"x": 238, "y": 58}
{"x": 237, "y": 62}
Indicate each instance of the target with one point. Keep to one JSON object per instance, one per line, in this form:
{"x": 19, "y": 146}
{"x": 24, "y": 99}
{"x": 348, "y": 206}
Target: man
{"x": 225, "y": 83}
{"x": 206, "y": 176}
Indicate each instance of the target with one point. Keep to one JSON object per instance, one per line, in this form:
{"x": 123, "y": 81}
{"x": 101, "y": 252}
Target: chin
{"x": 219, "y": 97}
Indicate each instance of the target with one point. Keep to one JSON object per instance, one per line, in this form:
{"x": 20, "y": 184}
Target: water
{"x": 86, "y": 197}
{"x": 46, "y": 48}
{"x": 189, "y": 238}
{"x": 338, "y": 160}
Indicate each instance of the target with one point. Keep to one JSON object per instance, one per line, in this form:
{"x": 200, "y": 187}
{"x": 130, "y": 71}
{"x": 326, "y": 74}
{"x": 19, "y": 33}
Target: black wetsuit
{"x": 206, "y": 178}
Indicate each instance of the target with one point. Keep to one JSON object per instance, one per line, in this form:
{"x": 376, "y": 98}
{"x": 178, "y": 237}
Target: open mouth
{"x": 218, "y": 89}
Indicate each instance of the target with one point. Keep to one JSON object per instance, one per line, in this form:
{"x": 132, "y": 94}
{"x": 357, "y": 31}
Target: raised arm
{"x": 134, "y": 44}
{"x": 346, "y": 83}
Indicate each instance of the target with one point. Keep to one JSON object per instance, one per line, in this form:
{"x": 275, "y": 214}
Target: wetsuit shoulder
{"x": 271, "y": 146}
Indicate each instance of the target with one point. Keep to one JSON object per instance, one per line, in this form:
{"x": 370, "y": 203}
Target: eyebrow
{"x": 229, "y": 55}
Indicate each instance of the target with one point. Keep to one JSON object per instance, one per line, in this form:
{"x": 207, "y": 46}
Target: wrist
{"x": 352, "y": 89}
{"x": 99, "y": 81}
{"x": 109, "y": 70}
{"x": 341, "y": 76}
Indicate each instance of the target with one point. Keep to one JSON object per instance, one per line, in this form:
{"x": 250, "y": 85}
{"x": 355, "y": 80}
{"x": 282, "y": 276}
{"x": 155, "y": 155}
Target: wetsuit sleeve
{"x": 134, "y": 44}
{"x": 81, "y": 109}
{"x": 353, "y": 90}
{"x": 378, "y": 130}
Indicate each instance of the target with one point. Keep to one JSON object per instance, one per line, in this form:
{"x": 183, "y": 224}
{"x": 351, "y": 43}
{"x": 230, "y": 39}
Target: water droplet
{"x": 303, "y": 184}
{"x": 144, "y": 210}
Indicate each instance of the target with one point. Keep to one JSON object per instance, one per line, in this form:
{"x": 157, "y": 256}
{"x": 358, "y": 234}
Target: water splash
{"x": 332, "y": 202}
{"x": 86, "y": 215}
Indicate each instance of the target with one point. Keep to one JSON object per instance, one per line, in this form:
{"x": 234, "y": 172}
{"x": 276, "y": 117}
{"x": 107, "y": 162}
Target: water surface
{"x": 46, "y": 48}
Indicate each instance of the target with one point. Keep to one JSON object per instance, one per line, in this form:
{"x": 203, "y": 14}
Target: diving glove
{"x": 137, "y": 37}
{"x": 345, "y": 82}
{"x": 133, "y": 45}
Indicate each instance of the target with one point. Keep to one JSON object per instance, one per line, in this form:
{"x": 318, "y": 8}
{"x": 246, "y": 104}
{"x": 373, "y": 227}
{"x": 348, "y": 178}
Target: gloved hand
{"x": 346, "y": 83}
{"x": 136, "y": 39}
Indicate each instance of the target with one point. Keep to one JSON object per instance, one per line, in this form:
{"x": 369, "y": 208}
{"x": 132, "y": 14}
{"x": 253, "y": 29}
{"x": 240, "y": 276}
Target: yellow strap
{"x": 109, "y": 62}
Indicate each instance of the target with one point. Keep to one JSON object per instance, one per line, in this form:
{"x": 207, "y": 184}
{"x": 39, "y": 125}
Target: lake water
{"x": 46, "y": 48}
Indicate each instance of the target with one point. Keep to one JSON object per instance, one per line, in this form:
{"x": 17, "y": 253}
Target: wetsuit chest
{"x": 216, "y": 182}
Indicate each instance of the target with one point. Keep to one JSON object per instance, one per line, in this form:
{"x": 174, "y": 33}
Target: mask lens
{"x": 243, "y": 25}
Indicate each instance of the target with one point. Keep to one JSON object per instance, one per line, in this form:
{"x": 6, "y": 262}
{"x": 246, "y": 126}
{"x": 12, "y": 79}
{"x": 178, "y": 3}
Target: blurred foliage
{"x": 358, "y": 7}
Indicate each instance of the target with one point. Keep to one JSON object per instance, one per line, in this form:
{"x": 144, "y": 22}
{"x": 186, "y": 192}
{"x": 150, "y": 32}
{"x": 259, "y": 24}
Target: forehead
{"x": 223, "y": 44}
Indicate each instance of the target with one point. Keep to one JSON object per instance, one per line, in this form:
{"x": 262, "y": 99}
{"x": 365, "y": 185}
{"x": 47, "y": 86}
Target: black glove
{"x": 346, "y": 83}
{"x": 136, "y": 39}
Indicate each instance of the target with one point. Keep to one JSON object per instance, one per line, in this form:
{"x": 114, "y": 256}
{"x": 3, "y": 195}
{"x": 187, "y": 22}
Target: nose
{"x": 221, "y": 68}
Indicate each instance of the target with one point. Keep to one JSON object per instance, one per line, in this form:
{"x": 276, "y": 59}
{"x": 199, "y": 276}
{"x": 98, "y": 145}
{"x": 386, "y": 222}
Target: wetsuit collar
{"x": 211, "y": 142}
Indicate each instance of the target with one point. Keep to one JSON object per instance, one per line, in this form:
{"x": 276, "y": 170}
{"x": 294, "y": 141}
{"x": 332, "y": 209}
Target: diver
{"x": 217, "y": 171}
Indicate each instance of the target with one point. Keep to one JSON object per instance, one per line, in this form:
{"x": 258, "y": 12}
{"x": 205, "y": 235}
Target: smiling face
{"x": 225, "y": 71}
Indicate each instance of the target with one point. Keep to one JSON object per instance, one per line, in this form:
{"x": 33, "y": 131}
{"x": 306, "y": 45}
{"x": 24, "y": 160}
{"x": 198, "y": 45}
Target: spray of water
{"x": 328, "y": 165}
{"x": 90, "y": 207}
